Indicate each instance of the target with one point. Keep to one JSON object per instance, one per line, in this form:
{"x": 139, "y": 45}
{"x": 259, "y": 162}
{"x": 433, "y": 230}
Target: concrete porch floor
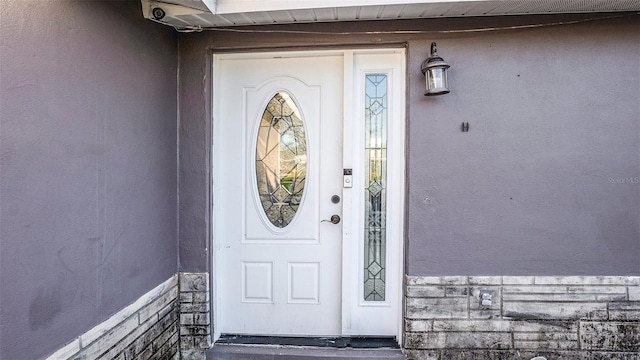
{"x": 278, "y": 352}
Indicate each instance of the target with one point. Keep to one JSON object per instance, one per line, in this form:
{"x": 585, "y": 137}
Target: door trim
{"x": 396, "y": 168}
{"x": 356, "y": 68}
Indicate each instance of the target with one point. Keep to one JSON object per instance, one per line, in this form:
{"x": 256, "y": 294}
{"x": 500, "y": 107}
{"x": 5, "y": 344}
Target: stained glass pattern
{"x": 375, "y": 187}
{"x": 281, "y": 160}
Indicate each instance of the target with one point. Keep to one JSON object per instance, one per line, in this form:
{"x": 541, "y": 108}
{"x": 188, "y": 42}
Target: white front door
{"x": 290, "y": 230}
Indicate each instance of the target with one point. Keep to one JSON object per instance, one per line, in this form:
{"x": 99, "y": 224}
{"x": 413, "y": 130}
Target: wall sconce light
{"x": 435, "y": 72}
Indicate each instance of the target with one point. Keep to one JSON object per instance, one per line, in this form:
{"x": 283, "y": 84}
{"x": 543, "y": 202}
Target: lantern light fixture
{"x": 435, "y": 72}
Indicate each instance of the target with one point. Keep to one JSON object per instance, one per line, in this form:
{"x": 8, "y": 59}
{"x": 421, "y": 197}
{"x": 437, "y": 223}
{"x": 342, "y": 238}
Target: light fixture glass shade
{"x": 435, "y": 72}
{"x": 436, "y": 81}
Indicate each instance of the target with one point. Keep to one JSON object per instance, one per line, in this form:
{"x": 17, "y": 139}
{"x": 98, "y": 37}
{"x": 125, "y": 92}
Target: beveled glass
{"x": 375, "y": 206}
{"x": 281, "y": 159}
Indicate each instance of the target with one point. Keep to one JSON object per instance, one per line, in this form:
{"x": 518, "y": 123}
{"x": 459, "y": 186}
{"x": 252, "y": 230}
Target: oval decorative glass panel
{"x": 281, "y": 159}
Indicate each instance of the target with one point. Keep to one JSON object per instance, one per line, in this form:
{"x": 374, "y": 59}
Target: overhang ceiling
{"x": 223, "y": 13}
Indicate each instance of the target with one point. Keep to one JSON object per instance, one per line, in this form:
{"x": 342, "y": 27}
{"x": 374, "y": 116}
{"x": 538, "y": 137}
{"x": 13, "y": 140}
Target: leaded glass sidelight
{"x": 281, "y": 159}
{"x": 375, "y": 196}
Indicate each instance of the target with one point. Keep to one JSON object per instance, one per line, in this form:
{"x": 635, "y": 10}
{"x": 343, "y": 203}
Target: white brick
{"x": 420, "y": 280}
{"x": 201, "y": 319}
{"x": 537, "y": 327}
{"x": 430, "y": 340}
{"x": 417, "y": 325}
{"x": 550, "y": 297}
{"x": 486, "y": 314}
{"x": 91, "y": 350}
{"x": 186, "y": 297}
{"x": 67, "y": 351}
{"x": 517, "y": 280}
{"x": 625, "y": 311}
{"x": 608, "y": 298}
{"x": 587, "y": 280}
{"x": 469, "y": 340}
{"x": 563, "y": 289}
{"x": 545, "y": 345}
{"x": 450, "y": 308}
{"x": 485, "y": 280}
{"x": 95, "y": 350}
{"x": 166, "y": 310}
{"x": 546, "y": 336}
{"x": 634, "y": 293}
{"x": 437, "y": 280}
{"x": 186, "y": 342}
{"x": 425, "y": 291}
{"x": 471, "y": 325}
{"x": 203, "y": 342}
{"x": 526, "y": 289}
{"x": 122, "y": 320}
{"x": 198, "y": 307}
{"x": 550, "y": 310}
{"x": 589, "y": 289}
{"x": 630, "y": 305}
{"x": 194, "y": 282}
{"x": 202, "y": 296}
{"x": 186, "y": 319}
{"x": 456, "y": 291}
{"x": 422, "y": 354}
{"x": 610, "y": 336}
{"x": 158, "y": 304}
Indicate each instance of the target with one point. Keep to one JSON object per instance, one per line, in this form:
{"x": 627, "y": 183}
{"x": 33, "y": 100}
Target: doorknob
{"x": 335, "y": 219}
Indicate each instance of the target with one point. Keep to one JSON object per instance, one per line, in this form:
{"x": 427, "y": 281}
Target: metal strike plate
{"x": 347, "y": 178}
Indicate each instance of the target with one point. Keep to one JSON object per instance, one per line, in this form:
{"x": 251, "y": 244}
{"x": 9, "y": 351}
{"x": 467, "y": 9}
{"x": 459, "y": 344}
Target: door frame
{"x": 396, "y": 170}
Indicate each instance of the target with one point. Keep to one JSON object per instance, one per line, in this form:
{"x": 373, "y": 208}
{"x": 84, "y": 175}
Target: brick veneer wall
{"x": 557, "y": 317}
{"x": 195, "y": 335}
{"x": 169, "y": 322}
{"x": 146, "y": 329}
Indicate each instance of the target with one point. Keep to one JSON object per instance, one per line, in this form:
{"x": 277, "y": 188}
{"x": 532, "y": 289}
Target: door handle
{"x": 335, "y": 219}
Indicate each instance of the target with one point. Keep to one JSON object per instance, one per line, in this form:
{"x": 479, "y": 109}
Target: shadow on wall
{"x": 88, "y": 166}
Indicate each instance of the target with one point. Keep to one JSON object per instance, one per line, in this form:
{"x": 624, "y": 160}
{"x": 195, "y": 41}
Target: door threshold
{"x": 355, "y": 342}
{"x": 280, "y": 352}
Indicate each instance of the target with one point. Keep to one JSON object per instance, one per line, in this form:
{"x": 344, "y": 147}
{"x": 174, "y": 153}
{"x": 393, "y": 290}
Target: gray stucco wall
{"x": 87, "y": 166}
{"x": 533, "y": 188}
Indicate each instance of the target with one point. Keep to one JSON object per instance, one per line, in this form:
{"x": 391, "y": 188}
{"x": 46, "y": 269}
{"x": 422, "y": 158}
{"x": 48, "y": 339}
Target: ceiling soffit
{"x": 197, "y": 14}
